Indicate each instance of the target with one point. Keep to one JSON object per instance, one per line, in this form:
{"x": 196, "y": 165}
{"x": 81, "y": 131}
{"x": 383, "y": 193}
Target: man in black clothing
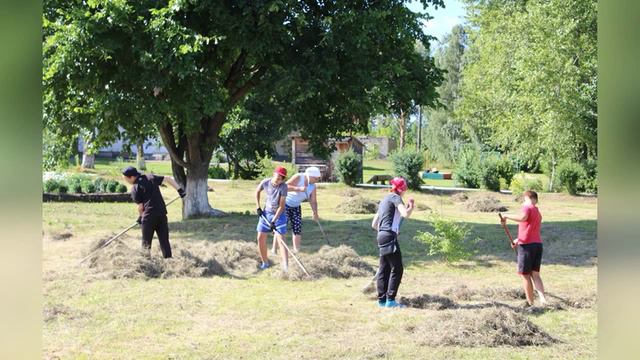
{"x": 151, "y": 207}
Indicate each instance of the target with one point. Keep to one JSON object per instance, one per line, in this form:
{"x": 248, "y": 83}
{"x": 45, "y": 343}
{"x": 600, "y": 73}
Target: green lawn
{"x": 113, "y": 168}
{"x": 384, "y": 167}
{"x": 263, "y": 317}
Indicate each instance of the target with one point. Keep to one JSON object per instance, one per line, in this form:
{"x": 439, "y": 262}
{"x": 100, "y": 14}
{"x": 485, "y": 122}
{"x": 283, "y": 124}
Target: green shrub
{"x": 216, "y": 172}
{"x": 468, "y": 170}
{"x": 122, "y": 188}
{"x": 569, "y": 173}
{"x": 112, "y": 186}
{"x": 51, "y": 185}
{"x": 372, "y": 152}
{"x": 75, "y": 184}
{"x": 348, "y": 165}
{"x": 506, "y": 169}
{"x": 88, "y": 187}
{"x": 63, "y": 188}
{"x": 408, "y": 164}
{"x": 491, "y": 174}
{"x": 589, "y": 181}
{"x": 521, "y": 184}
{"x": 264, "y": 165}
{"x": 100, "y": 184}
{"x": 450, "y": 240}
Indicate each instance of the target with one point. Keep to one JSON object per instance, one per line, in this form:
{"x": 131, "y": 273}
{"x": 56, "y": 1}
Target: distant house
{"x": 385, "y": 145}
{"x": 153, "y": 150}
{"x": 302, "y": 156}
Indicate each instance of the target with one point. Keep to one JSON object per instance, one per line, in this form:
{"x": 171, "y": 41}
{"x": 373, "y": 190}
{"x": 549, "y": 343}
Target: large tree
{"x": 443, "y": 133}
{"x": 185, "y": 65}
{"x": 530, "y": 85}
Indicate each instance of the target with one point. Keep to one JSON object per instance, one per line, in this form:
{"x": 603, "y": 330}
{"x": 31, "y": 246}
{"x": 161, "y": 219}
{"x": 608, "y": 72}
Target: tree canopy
{"x": 529, "y": 85}
{"x": 183, "y": 66}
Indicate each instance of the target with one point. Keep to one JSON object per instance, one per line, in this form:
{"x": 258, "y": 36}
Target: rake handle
{"x": 506, "y": 230}
{"x": 107, "y": 243}
{"x": 323, "y": 233}
{"x": 117, "y": 236}
{"x": 286, "y": 247}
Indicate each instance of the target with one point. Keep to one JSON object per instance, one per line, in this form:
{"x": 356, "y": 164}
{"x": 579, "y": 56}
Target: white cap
{"x": 313, "y": 171}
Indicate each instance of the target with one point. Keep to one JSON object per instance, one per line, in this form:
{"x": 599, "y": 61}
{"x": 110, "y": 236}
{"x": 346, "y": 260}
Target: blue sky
{"x": 443, "y": 18}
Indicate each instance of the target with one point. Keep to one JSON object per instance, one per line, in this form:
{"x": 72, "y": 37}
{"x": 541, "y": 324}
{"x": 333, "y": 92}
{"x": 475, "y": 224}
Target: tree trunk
{"x": 553, "y": 172}
{"x": 196, "y": 203}
{"x": 88, "y": 157}
{"x": 196, "y": 162}
{"x": 88, "y": 160}
{"x": 419, "y": 142}
{"x": 140, "y": 156}
{"x": 236, "y": 169}
{"x": 402, "y": 129}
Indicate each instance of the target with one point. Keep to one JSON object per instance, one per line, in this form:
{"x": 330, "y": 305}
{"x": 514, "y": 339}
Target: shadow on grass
{"x": 568, "y": 243}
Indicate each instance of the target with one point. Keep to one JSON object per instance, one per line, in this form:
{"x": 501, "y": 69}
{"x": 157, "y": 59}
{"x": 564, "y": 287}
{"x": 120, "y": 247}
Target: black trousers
{"x": 160, "y": 226}
{"x": 390, "y": 270}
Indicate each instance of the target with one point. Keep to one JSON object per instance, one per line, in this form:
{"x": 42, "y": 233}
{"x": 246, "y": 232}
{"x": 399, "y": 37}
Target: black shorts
{"x": 294, "y": 214}
{"x": 529, "y": 258}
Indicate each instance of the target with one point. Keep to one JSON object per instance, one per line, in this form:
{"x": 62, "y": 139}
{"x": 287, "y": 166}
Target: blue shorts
{"x": 281, "y": 223}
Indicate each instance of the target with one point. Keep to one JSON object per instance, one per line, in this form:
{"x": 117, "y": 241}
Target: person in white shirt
{"x": 301, "y": 188}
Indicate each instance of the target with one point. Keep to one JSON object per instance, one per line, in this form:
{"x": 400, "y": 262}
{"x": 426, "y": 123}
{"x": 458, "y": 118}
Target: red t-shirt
{"x": 529, "y": 230}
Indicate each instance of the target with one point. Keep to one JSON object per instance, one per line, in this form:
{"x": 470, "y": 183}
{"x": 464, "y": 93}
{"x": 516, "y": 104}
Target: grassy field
{"x": 113, "y": 168}
{"x": 384, "y": 167}
{"x": 263, "y": 317}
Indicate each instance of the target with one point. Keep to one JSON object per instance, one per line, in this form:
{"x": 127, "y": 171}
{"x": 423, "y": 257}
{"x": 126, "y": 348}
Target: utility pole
{"x": 419, "y": 128}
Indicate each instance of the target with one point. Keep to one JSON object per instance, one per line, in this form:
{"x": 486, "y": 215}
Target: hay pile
{"x": 357, "y": 205}
{"x": 484, "y": 203}
{"x": 502, "y": 293}
{"x": 200, "y": 259}
{"x": 578, "y": 302}
{"x": 431, "y": 302}
{"x": 60, "y": 236}
{"x": 349, "y": 192}
{"x": 460, "y": 292}
{"x": 422, "y": 207}
{"x": 51, "y": 312}
{"x": 484, "y": 327}
{"x": 460, "y": 197}
{"x": 340, "y": 262}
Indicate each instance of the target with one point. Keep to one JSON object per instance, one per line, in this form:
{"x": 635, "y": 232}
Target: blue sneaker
{"x": 382, "y": 303}
{"x": 264, "y": 266}
{"x": 394, "y": 304}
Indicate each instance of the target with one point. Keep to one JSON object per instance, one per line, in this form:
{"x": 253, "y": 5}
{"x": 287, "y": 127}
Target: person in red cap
{"x": 276, "y": 190}
{"x": 387, "y": 222}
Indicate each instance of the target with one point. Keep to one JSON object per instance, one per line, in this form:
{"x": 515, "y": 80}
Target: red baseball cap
{"x": 280, "y": 171}
{"x": 398, "y": 184}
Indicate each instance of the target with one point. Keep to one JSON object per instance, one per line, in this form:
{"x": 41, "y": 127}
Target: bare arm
{"x": 258, "y": 191}
{"x": 171, "y": 181}
{"x": 374, "y": 222}
{"x": 294, "y": 180}
{"x": 140, "y": 209}
{"x": 405, "y": 211}
{"x": 280, "y": 210}
{"x": 519, "y": 218}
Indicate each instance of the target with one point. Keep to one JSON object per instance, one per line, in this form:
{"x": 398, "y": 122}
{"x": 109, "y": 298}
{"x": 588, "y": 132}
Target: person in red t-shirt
{"x": 529, "y": 245}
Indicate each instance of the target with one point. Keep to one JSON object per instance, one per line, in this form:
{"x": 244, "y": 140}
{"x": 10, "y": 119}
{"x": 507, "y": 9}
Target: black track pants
{"x": 390, "y": 271}
{"x": 160, "y": 226}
